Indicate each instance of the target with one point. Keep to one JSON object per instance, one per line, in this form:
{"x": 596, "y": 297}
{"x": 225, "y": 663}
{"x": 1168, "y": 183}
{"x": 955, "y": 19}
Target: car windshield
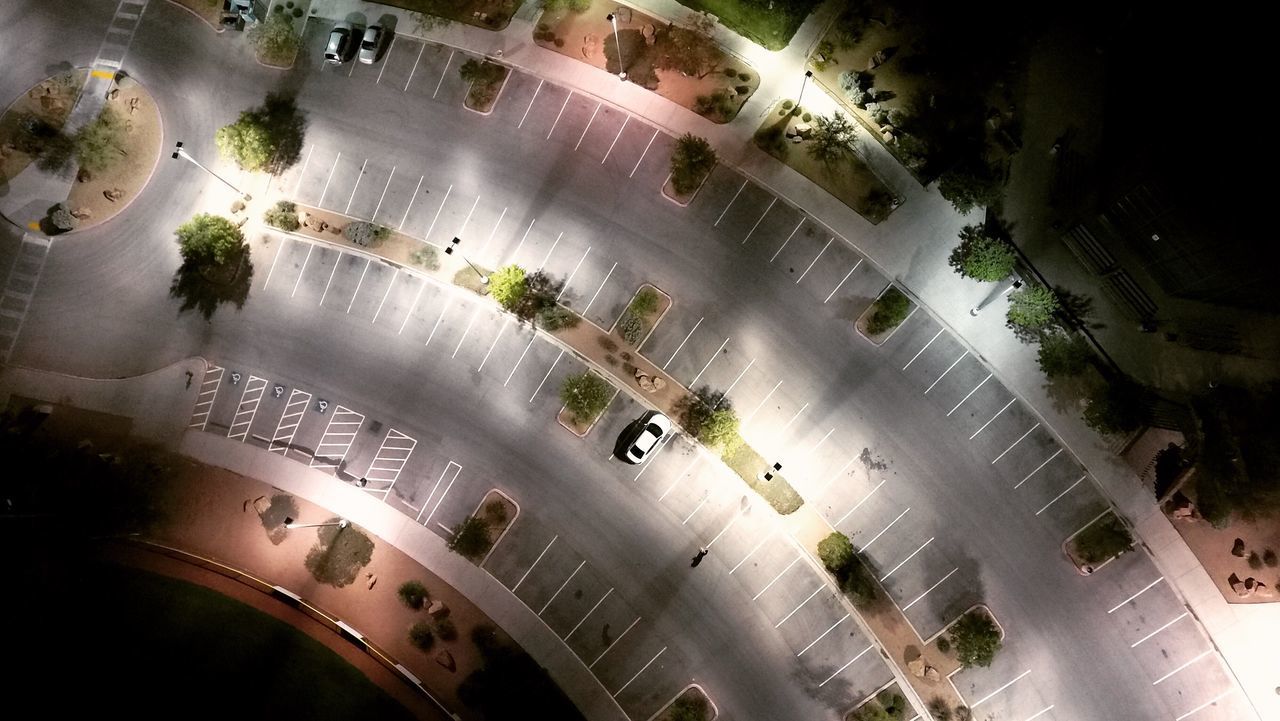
{"x": 369, "y": 44}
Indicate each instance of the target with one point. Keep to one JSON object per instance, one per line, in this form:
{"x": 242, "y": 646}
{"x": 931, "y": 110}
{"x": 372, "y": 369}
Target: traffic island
{"x": 1097, "y": 544}
{"x": 31, "y": 127}
{"x": 883, "y": 317}
{"x": 487, "y": 81}
{"x": 691, "y": 704}
{"x": 884, "y": 705}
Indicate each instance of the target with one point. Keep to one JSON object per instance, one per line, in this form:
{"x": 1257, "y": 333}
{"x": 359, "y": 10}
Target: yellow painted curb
{"x": 103, "y": 74}
{"x": 34, "y": 225}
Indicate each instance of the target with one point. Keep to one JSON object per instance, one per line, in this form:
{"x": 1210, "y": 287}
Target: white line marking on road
{"x": 735, "y": 380}
{"x": 757, "y": 225}
{"x": 465, "y": 332}
{"x": 443, "y": 73}
{"x": 997, "y": 415}
{"x": 646, "y": 152}
{"x": 823, "y": 635}
{"x": 446, "y": 489}
{"x": 1208, "y": 703}
{"x": 822, "y": 489}
{"x": 945, "y": 372}
{"x": 761, "y": 403}
{"x": 908, "y": 558}
{"x": 1040, "y": 713}
{"x": 1188, "y": 663}
{"x": 298, "y": 282}
{"x": 686, "y": 340}
{"x": 519, "y": 361}
{"x": 588, "y": 614}
{"x": 705, "y": 496}
{"x": 325, "y": 294}
{"x": 303, "y": 172}
{"x": 551, "y": 250}
{"x": 715, "y": 355}
{"x": 444, "y": 309}
{"x": 545, "y": 377}
{"x": 1037, "y": 468}
{"x": 970, "y": 395}
{"x": 633, "y": 678}
{"x": 410, "y": 205}
{"x": 927, "y": 590}
{"x": 384, "y": 60}
{"x": 615, "y": 139}
{"x": 1147, "y": 637}
{"x": 788, "y": 240}
{"x": 531, "y": 101}
{"x": 648, "y": 461}
{"x": 842, "y": 280}
{"x": 883, "y": 530}
{"x": 557, "y": 120}
{"x": 986, "y": 698}
{"x": 922, "y": 350}
{"x": 385, "y": 295}
{"x": 801, "y": 605}
{"x": 818, "y": 445}
{"x": 680, "y": 477}
{"x": 815, "y": 259}
{"x": 489, "y": 240}
{"x": 412, "y": 308}
{"x": 522, "y": 239}
{"x": 356, "y": 187}
{"x": 437, "y": 217}
{"x": 730, "y": 205}
{"x": 360, "y": 283}
{"x": 1010, "y": 448}
{"x": 847, "y": 665}
{"x": 1139, "y": 593}
{"x": 589, "y": 122}
{"x": 558, "y": 590}
{"x": 415, "y": 67}
{"x": 467, "y": 221}
{"x": 528, "y": 570}
{"x": 289, "y": 421}
{"x": 793, "y": 419}
{"x": 615, "y": 643}
{"x": 597, "y": 293}
{"x": 775, "y": 578}
{"x": 493, "y": 345}
{"x": 1060, "y": 495}
{"x": 329, "y": 179}
{"x": 384, "y": 194}
{"x": 565, "y": 287}
{"x": 751, "y": 553}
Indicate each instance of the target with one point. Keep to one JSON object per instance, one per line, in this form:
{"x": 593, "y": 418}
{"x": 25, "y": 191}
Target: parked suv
{"x": 335, "y": 53}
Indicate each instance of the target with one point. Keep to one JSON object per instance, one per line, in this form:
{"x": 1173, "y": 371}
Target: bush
{"x": 1062, "y": 354}
{"x": 470, "y": 538}
{"x": 297, "y": 12}
{"x": 61, "y": 219}
{"x": 1255, "y": 561}
{"x": 976, "y": 638}
{"x": 710, "y": 418}
{"x": 556, "y": 317}
{"x": 1031, "y": 310}
{"x": 1102, "y": 540}
{"x": 446, "y": 630}
{"x": 807, "y": 117}
{"x": 209, "y": 240}
{"x": 586, "y": 395}
{"x": 744, "y": 76}
{"x": 427, "y": 257}
{"x": 645, "y": 302}
{"x": 939, "y": 709}
{"x": 507, "y": 286}
{"x": 944, "y": 644}
{"x": 836, "y": 552}
{"x": 1115, "y": 407}
{"x": 894, "y": 704}
{"x": 981, "y": 256}
{"x": 630, "y": 327}
{"x": 282, "y": 215}
{"x": 692, "y": 160}
{"x": 100, "y": 144}
{"x": 888, "y": 311}
{"x": 788, "y": 104}
{"x": 368, "y": 235}
{"x": 730, "y": 72}
{"x": 1269, "y": 558}
{"x": 421, "y": 637}
{"x": 413, "y": 594}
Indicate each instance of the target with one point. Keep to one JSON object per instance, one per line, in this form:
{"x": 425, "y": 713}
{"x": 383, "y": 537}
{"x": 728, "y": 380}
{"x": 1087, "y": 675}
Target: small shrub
{"x": 446, "y": 630}
{"x": 556, "y": 317}
{"x": 889, "y": 311}
{"x": 559, "y": 42}
{"x": 976, "y": 637}
{"x": 744, "y": 77}
{"x": 963, "y": 713}
{"x": 788, "y": 104}
{"x": 645, "y": 302}
{"x": 368, "y": 235}
{"x": 944, "y": 644}
{"x": 807, "y": 117}
{"x": 297, "y": 12}
{"x": 585, "y": 395}
{"x": 608, "y": 344}
{"x": 497, "y": 510}
{"x": 470, "y": 538}
{"x": 421, "y": 637}
{"x": 282, "y": 215}
{"x": 741, "y": 89}
{"x": 1269, "y": 558}
{"x": 413, "y": 594}
{"x": 630, "y": 327}
{"x": 730, "y": 72}
{"x": 427, "y": 257}
{"x": 289, "y": 4}
{"x": 543, "y": 27}
{"x": 939, "y": 709}
{"x": 1255, "y": 561}
{"x": 278, "y": 9}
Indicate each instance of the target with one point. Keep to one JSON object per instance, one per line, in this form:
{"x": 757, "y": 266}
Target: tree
{"x": 282, "y": 215}
{"x": 413, "y": 594}
{"x": 507, "y": 286}
{"x": 691, "y": 160}
{"x": 540, "y": 293}
{"x": 833, "y": 138}
{"x": 266, "y": 138}
{"x": 470, "y": 538}
{"x": 215, "y": 267}
{"x": 691, "y": 50}
{"x": 888, "y": 312}
{"x": 976, "y": 638}
{"x": 274, "y": 38}
{"x": 981, "y": 256}
{"x": 709, "y": 417}
{"x": 100, "y": 144}
{"x": 585, "y": 395}
{"x": 836, "y": 552}
{"x": 1063, "y": 354}
{"x": 1031, "y": 310}
{"x": 969, "y": 186}
{"x": 1115, "y": 407}
{"x": 209, "y": 240}
{"x": 1102, "y": 540}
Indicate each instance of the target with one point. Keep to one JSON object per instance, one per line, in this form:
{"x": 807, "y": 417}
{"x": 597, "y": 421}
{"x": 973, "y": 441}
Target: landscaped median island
{"x": 1095, "y": 545}
{"x": 767, "y": 23}
{"x": 487, "y": 80}
{"x": 887, "y": 705}
{"x": 277, "y": 38}
{"x": 691, "y": 704}
{"x": 476, "y": 535}
{"x": 883, "y": 317}
{"x": 31, "y": 127}
{"x": 692, "y": 161}
{"x": 487, "y": 14}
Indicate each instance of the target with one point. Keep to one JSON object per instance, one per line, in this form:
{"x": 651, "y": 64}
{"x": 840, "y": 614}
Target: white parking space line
{"x": 343, "y": 432}
{"x": 466, "y": 332}
{"x": 597, "y": 294}
{"x": 730, "y": 205}
{"x": 1148, "y": 637}
{"x": 648, "y": 461}
{"x": 303, "y": 172}
{"x": 356, "y": 187}
{"x": 385, "y": 58}
{"x": 823, "y": 488}
{"x": 493, "y": 232}
{"x": 793, "y": 419}
{"x": 439, "y": 480}
{"x": 615, "y": 139}
{"x": 271, "y": 271}
{"x": 1198, "y": 656}
{"x": 545, "y": 377}
{"x": 705, "y": 496}
{"x": 818, "y": 445}
{"x": 715, "y": 355}
{"x": 204, "y": 401}
{"x": 788, "y": 240}
{"x": 1208, "y": 703}
{"x": 558, "y": 590}
{"x": 775, "y": 578}
{"x": 679, "y": 476}
{"x": 531, "y": 102}
{"x": 414, "y": 69}
{"x": 437, "y": 217}
{"x": 859, "y": 503}
{"x": 587, "y": 615}
{"x": 883, "y": 530}
{"x": 614, "y": 644}
{"x": 800, "y": 605}
{"x": 927, "y": 590}
{"x": 442, "y": 74}
{"x": 520, "y": 245}
{"x": 1145, "y": 588}
{"x": 761, "y": 403}
{"x": 686, "y": 340}
{"x": 1060, "y": 495}
{"x": 589, "y": 122}
{"x": 1037, "y": 468}
{"x": 467, "y": 221}
{"x": 945, "y": 372}
{"x": 989, "y": 696}
{"x": 735, "y": 381}
{"x": 519, "y": 361}
{"x": 547, "y": 257}
{"x": 384, "y": 192}
{"x": 823, "y": 635}
{"x": 289, "y": 421}
{"x": 646, "y": 152}
{"x": 815, "y": 259}
{"x": 557, "y": 120}
{"x": 329, "y": 282}
{"x": 444, "y": 309}
{"x": 846, "y": 665}
{"x": 328, "y": 180}
{"x": 529, "y": 570}
{"x": 750, "y": 553}
{"x": 568, "y": 280}
{"x": 642, "y": 669}
{"x": 904, "y": 561}
{"x": 842, "y": 280}
{"x": 247, "y": 408}
{"x": 494, "y": 344}
{"x": 391, "y": 458}
{"x": 757, "y": 225}
{"x": 1040, "y": 713}
{"x": 383, "y": 302}
{"x": 997, "y": 415}
{"x": 922, "y": 350}
{"x": 358, "y": 285}
{"x": 296, "y": 283}
{"x": 412, "y": 308}
{"x": 410, "y": 205}
{"x": 1010, "y": 448}
{"x": 969, "y": 395}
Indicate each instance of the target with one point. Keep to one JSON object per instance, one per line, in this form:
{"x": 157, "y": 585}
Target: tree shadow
{"x": 287, "y": 127}
{"x": 203, "y": 288}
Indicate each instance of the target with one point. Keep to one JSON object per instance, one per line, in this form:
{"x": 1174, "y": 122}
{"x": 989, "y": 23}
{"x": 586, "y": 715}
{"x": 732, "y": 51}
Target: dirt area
{"x": 91, "y": 200}
{"x": 651, "y": 319}
{"x": 208, "y": 10}
{"x": 482, "y": 96}
{"x": 692, "y": 697}
{"x": 397, "y": 247}
{"x": 669, "y": 190}
{"x": 76, "y": 424}
{"x": 1213, "y": 548}
{"x": 586, "y": 341}
{"x": 498, "y": 512}
{"x": 725, "y": 86}
{"x": 487, "y": 14}
{"x": 296, "y": 11}
{"x": 51, "y": 101}
{"x": 565, "y": 418}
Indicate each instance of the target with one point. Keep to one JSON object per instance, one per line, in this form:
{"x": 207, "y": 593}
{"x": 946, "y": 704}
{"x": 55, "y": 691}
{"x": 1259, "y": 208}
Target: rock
{"x": 649, "y": 33}
{"x": 590, "y": 46}
{"x": 83, "y": 175}
{"x": 917, "y": 667}
{"x": 7, "y": 149}
{"x": 372, "y": 579}
{"x": 1237, "y": 586}
{"x": 113, "y": 194}
{"x": 445, "y": 659}
{"x": 113, "y": 94}
{"x": 1264, "y": 590}
{"x": 1237, "y": 549}
{"x": 82, "y": 213}
{"x": 659, "y": 384}
{"x": 931, "y": 674}
{"x": 437, "y": 609}
{"x": 261, "y": 504}
{"x": 645, "y": 383}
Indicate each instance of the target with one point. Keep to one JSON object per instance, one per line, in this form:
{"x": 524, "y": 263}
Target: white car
{"x": 369, "y": 45}
{"x": 335, "y": 53}
{"x": 644, "y": 435}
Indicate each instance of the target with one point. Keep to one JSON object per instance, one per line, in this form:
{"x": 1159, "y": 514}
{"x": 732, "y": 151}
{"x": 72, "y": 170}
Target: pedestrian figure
{"x": 189, "y": 377}
{"x": 702, "y": 553}
{"x": 363, "y": 481}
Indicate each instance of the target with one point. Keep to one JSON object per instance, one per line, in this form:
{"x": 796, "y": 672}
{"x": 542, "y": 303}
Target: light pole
{"x": 288, "y": 523}
{"x": 178, "y": 152}
{"x": 807, "y": 74}
{"x": 484, "y": 279}
{"x": 1015, "y": 285}
{"x": 613, "y": 18}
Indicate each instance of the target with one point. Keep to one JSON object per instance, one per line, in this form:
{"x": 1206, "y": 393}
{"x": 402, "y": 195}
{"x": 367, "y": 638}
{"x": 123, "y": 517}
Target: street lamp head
{"x": 808, "y": 73}
{"x": 611, "y": 18}
{"x": 448, "y": 250}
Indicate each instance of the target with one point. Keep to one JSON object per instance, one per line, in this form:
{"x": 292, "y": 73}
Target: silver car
{"x": 644, "y": 435}
{"x": 335, "y": 53}
{"x": 369, "y": 45}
